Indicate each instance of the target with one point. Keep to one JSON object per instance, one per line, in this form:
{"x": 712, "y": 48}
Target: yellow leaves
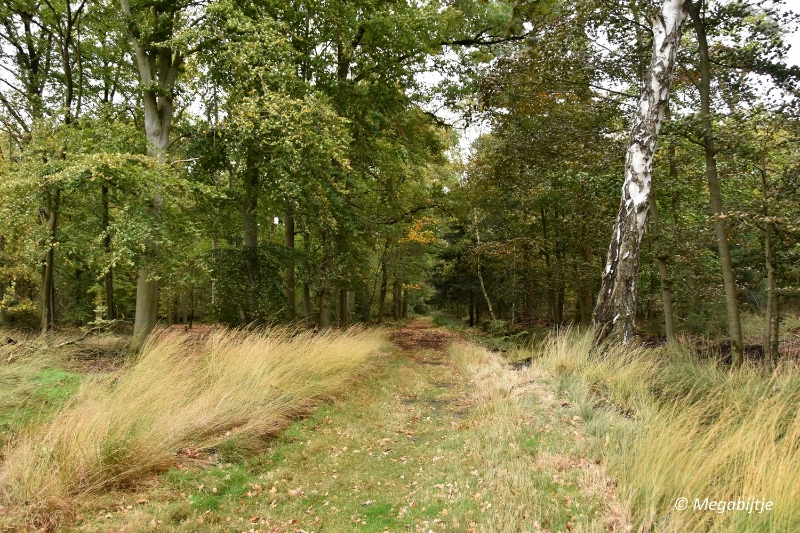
{"x": 420, "y": 231}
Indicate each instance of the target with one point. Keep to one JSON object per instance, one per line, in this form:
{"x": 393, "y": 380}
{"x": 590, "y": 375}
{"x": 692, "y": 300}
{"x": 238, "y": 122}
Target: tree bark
{"x": 551, "y": 290}
{"x": 726, "y": 264}
{"x": 307, "y": 303}
{"x": 306, "y": 287}
{"x": 343, "y": 308}
{"x": 527, "y": 303}
{"x": 48, "y": 274}
{"x": 382, "y": 295}
{"x": 615, "y": 312}
{"x": 3, "y": 315}
{"x": 771, "y": 314}
{"x": 158, "y": 70}
{"x": 480, "y": 276}
{"x": 289, "y": 278}
{"x": 325, "y": 293}
{"x": 396, "y": 299}
{"x": 770, "y": 343}
{"x": 471, "y": 309}
{"x": 111, "y": 312}
{"x": 250, "y": 223}
{"x": 660, "y": 258}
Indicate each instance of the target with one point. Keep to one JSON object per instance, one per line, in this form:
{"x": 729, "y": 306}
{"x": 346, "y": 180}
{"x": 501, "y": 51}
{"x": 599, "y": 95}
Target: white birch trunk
{"x": 615, "y": 312}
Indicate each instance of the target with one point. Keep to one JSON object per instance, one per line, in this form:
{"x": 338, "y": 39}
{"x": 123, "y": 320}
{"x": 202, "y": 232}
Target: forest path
{"x": 441, "y": 436}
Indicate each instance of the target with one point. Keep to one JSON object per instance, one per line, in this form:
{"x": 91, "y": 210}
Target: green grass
{"x": 33, "y": 386}
{"x": 416, "y": 447}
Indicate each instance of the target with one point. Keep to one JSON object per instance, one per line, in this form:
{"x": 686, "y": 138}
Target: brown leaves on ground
{"x": 421, "y": 334}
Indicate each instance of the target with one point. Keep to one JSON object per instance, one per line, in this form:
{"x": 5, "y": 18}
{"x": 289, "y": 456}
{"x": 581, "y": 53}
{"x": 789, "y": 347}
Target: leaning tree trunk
{"x": 725, "y": 261}
{"x": 615, "y": 312}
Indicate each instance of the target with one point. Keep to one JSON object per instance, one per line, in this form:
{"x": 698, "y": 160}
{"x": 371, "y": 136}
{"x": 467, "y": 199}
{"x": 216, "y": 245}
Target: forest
{"x": 256, "y": 162}
{"x": 613, "y": 180}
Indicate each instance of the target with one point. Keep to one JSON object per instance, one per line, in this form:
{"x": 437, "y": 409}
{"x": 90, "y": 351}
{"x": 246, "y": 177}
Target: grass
{"x": 182, "y": 397}
{"x": 672, "y": 426}
{"x": 428, "y": 440}
{"x": 432, "y": 440}
{"x": 34, "y": 383}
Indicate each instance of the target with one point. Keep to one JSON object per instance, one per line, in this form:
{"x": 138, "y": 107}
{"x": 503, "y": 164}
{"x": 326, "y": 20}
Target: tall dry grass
{"x": 181, "y": 392}
{"x": 674, "y": 426}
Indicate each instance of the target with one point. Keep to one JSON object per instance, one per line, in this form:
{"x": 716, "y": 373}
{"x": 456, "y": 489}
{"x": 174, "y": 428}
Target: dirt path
{"x": 444, "y": 436}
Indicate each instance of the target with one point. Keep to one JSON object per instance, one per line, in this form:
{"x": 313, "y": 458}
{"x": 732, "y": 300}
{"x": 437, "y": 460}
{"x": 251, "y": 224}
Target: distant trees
{"x": 556, "y": 143}
{"x": 249, "y": 162}
{"x": 224, "y": 159}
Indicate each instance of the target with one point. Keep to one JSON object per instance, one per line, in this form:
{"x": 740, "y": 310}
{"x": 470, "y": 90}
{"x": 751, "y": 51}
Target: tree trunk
{"x": 404, "y": 310}
{"x": 615, "y": 312}
{"x": 3, "y": 315}
{"x": 587, "y": 290}
{"x": 382, "y": 294}
{"x": 325, "y": 304}
{"x": 307, "y": 302}
{"x": 343, "y": 308}
{"x": 306, "y": 287}
{"x": 396, "y": 299}
{"x": 471, "y": 309}
{"x": 250, "y": 223}
{"x": 111, "y": 313}
{"x": 772, "y": 296}
{"x": 289, "y": 279}
{"x": 776, "y": 322}
{"x": 48, "y": 275}
{"x": 770, "y": 343}
{"x": 158, "y": 70}
{"x": 325, "y": 294}
{"x": 480, "y": 276}
{"x": 726, "y": 264}
{"x": 551, "y": 290}
{"x": 527, "y": 303}
{"x": 661, "y": 262}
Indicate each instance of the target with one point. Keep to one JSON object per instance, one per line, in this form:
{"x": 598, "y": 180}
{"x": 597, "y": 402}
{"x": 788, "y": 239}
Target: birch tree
{"x": 615, "y": 312}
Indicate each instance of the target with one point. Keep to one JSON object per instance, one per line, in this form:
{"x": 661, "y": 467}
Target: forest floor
{"x": 442, "y": 436}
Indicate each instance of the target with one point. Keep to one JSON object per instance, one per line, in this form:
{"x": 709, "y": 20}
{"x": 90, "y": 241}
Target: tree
{"x": 615, "y": 312}
{"x": 153, "y": 28}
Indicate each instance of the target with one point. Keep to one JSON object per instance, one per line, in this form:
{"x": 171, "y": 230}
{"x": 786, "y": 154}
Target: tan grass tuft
{"x": 181, "y": 393}
{"x": 692, "y": 429}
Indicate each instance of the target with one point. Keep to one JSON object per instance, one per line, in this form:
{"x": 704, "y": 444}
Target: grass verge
{"x": 183, "y": 395}
{"x": 673, "y": 427}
